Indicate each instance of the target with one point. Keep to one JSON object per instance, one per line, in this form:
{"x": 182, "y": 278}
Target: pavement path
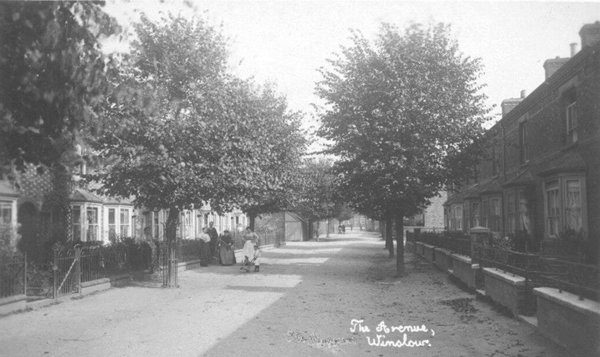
{"x": 309, "y": 299}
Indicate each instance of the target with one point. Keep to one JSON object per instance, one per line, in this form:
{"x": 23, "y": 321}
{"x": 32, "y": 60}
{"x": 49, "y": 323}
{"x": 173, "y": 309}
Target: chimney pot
{"x": 573, "y": 49}
{"x": 523, "y": 93}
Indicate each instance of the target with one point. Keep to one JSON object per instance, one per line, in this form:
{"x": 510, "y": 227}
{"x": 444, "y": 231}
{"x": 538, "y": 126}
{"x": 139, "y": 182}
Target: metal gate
{"x": 67, "y": 271}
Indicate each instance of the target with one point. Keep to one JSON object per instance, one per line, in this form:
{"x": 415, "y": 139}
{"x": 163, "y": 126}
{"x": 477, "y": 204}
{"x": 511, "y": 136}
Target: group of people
{"x": 213, "y": 246}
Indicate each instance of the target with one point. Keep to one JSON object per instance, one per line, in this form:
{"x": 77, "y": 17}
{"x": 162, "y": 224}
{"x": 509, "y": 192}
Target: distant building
{"x": 432, "y": 217}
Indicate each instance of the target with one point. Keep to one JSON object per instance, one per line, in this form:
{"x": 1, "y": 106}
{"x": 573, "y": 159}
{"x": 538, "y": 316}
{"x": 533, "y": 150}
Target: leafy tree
{"x": 182, "y": 132}
{"x": 317, "y": 199}
{"x": 400, "y": 111}
{"x": 53, "y": 76}
{"x": 280, "y": 169}
{"x": 344, "y": 213}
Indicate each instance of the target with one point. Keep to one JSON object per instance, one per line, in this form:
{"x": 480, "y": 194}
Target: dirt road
{"x": 309, "y": 299}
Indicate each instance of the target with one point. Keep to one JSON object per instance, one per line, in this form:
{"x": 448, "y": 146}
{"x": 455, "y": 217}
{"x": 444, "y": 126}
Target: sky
{"x": 286, "y": 42}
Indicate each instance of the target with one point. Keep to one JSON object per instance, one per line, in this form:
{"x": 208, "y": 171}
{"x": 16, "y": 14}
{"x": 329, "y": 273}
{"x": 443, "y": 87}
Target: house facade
{"x": 27, "y": 212}
{"x": 541, "y": 172}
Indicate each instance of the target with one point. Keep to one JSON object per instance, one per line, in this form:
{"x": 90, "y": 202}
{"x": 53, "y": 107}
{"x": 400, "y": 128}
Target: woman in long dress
{"x": 250, "y": 240}
{"x": 226, "y": 253}
{"x": 204, "y": 247}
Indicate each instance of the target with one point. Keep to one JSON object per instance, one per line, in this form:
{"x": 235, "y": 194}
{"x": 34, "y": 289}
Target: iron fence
{"x": 13, "y": 275}
{"x": 577, "y": 278}
{"x": 456, "y": 244}
{"x": 75, "y": 265}
{"x": 538, "y": 270}
{"x": 66, "y": 273}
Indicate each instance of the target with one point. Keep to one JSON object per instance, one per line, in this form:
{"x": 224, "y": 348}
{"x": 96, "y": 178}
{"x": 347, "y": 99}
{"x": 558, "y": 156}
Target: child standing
{"x": 254, "y": 259}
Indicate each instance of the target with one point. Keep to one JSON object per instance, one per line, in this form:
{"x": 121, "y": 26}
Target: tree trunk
{"x": 170, "y": 280}
{"x": 317, "y": 231}
{"x": 327, "y": 233}
{"x": 252, "y": 218}
{"x": 399, "y": 245}
{"x": 389, "y": 239}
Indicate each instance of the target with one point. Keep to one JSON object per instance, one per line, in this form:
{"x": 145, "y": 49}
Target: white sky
{"x": 287, "y": 41}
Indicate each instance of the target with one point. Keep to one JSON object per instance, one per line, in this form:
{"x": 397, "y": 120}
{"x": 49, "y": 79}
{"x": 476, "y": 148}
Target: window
{"x": 466, "y": 209}
{"x": 573, "y": 205}
{"x": 5, "y": 214}
{"x": 475, "y": 214}
{"x": 76, "y": 222}
{"x": 495, "y": 161}
{"x": 552, "y": 208}
{"x": 572, "y": 123}
{"x": 112, "y": 228}
{"x": 485, "y": 213}
{"x": 494, "y": 219}
{"x": 523, "y": 209}
{"x": 124, "y": 223}
{"x": 565, "y": 206}
{"x": 523, "y": 145}
{"x": 456, "y": 217}
{"x": 156, "y": 226}
{"x": 571, "y": 117}
{"x": 187, "y": 224}
{"x": 92, "y": 224}
{"x": 511, "y": 220}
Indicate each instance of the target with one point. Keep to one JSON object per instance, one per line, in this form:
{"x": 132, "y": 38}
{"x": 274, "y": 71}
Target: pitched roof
{"x": 81, "y": 195}
{"x": 6, "y": 190}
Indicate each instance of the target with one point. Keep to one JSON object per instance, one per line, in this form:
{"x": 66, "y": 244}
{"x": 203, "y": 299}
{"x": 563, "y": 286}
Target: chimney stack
{"x": 573, "y": 49}
{"x": 509, "y": 104}
{"x": 552, "y": 65}
{"x": 590, "y": 34}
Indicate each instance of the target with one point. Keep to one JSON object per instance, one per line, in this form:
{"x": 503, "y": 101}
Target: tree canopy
{"x": 400, "y": 112}
{"x": 53, "y": 77}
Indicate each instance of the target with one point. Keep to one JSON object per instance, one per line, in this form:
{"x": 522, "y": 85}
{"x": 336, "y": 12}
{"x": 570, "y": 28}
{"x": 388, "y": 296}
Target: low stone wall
{"x": 192, "y": 264}
{"x": 93, "y": 286}
{"x": 429, "y": 252}
{"x": 419, "y": 248}
{"x": 464, "y": 270}
{"x": 506, "y": 289}
{"x": 442, "y": 260}
{"x": 410, "y": 247}
{"x": 12, "y": 304}
{"x": 568, "y": 321}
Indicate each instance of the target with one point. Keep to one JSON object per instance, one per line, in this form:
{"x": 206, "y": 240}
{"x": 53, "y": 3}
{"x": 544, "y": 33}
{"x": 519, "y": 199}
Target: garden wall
{"x": 464, "y": 270}
{"x": 442, "y": 259}
{"x": 12, "y": 304}
{"x": 568, "y": 321}
{"x": 506, "y": 289}
{"x": 428, "y": 252}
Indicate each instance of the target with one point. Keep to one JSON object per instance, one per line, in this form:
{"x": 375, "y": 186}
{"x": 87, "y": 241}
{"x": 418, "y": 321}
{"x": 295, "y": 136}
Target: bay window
{"x": 564, "y": 205}
{"x": 112, "y": 227}
{"x": 124, "y": 223}
{"x": 76, "y": 222}
{"x": 92, "y": 224}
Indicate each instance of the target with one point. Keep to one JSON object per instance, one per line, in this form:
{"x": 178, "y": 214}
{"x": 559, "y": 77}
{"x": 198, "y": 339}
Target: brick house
{"x": 541, "y": 173}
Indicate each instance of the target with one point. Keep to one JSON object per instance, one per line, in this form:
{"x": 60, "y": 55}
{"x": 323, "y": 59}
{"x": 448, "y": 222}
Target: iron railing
{"x": 13, "y": 275}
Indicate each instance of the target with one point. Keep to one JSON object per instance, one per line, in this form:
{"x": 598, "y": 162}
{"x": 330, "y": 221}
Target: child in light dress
{"x": 254, "y": 259}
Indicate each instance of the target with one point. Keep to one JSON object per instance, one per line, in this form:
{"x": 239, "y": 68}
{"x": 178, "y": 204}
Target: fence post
{"x": 55, "y": 275}
{"x": 25, "y": 273}
{"x": 78, "y": 268}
